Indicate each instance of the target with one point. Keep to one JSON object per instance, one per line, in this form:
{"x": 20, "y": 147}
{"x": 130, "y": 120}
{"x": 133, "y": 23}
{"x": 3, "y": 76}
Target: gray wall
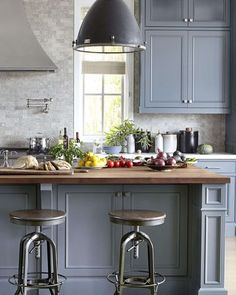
{"x": 52, "y": 23}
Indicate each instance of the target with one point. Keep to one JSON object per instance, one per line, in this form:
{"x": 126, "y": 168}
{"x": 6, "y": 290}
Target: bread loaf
{"x": 54, "y": 165}
{"x": 26, "y": 162}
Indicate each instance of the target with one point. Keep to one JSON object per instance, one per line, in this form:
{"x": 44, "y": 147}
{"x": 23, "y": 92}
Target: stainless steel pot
{"x": 39, "y": 144}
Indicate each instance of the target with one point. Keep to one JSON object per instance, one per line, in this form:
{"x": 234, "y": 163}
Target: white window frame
{"x": 128, "y": 83}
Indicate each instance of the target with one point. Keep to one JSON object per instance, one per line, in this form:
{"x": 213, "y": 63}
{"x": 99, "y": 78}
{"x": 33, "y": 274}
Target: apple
{"x": 171, "y": 161}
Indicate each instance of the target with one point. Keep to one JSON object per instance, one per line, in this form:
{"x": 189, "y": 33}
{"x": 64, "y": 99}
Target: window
{"x": 103, "y": 84}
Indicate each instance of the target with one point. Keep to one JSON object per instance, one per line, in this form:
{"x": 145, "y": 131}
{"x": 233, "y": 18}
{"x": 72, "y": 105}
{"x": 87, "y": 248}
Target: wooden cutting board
{"x": 13, "y": 171}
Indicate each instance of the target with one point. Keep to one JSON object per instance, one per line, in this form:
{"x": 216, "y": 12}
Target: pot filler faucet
{"x": 43, "y": 103}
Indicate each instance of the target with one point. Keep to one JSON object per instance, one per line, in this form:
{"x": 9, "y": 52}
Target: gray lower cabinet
{"x": 178, "y": 75}
{"x": 187, "y": 13}
{"x": 88, "y": 244}
{"x": 12, "y": 198}
{"x": 227, "y": 168}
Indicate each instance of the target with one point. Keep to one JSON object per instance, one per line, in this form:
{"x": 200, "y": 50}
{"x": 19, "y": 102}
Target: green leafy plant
{"x": 58, "y": 151}
{"x": 117, "y": 134}
{"x": 143, "y": 140}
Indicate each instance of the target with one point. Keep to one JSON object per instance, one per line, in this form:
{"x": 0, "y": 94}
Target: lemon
{"x": 88, "y": 164}
{"x": 81, "y": 163}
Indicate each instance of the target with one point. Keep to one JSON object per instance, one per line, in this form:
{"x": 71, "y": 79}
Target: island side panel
{"x": 213, "y": 210}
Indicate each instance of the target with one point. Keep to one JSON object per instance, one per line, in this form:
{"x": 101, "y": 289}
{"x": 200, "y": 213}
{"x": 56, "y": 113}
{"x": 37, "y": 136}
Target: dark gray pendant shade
{"x": 109, "y": 23}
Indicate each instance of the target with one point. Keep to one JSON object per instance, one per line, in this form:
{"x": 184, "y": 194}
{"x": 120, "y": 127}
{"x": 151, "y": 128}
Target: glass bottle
{"x": 77, "y": 139}
{"x": 65, "y": 139}
{"x": 60, "y": 138}
{"x": 159, "y": 142}
{"x": 130, "y": 144}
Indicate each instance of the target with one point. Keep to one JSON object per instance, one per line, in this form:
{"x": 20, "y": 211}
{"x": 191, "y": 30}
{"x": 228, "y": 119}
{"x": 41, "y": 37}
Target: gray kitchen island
{"x": 189, "y": 246}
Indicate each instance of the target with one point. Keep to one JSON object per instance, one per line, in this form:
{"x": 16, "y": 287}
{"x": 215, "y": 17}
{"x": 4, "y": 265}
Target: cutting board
{"x": 13, "y": 171}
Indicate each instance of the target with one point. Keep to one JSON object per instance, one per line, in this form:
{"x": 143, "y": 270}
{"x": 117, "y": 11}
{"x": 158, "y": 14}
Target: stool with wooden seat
{"x": 136, "y": 218}
{"x": 25, "y": 280}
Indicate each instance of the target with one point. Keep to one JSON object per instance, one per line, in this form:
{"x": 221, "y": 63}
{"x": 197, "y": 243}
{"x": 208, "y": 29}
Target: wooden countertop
{"x": 135, "y": 175}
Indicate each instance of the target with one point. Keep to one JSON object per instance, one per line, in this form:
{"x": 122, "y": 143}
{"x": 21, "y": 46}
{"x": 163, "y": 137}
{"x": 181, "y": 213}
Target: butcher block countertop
{"x": 135, "y": 175}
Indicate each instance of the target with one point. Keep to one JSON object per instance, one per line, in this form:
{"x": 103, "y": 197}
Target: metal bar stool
{"x": 144, "y": 279}
{"x": 26, "y": 280}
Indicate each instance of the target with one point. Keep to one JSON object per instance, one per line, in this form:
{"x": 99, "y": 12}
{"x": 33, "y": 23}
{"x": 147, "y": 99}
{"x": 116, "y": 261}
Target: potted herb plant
{"x": 115, "y": 138}
{"x": 143, "y": 140}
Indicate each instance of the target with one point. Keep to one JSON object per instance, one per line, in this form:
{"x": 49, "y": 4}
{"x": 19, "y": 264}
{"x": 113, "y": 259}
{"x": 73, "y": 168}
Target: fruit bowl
{"x": 167, "y": 167}
{"x": 90, "y": 167}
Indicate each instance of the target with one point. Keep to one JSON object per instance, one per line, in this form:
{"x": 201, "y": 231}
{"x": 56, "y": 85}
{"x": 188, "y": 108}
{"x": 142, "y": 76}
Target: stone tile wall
{"x": 52, "y": 23}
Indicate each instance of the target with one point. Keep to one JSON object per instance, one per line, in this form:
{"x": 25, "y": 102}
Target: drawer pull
{"x": 216, "y": 168}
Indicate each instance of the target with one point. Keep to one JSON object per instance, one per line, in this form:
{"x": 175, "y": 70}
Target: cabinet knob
{"x": 185, "y": 20}
{"x": 184, "y": 101}
{"x": 190, "y": 20}
{"x": 190, "y": 101}
{"x": 118, "y": 194}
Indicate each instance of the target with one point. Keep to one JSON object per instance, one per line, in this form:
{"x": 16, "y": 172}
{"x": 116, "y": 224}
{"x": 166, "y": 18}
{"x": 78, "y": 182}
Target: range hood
{"x": 19, "y": 48}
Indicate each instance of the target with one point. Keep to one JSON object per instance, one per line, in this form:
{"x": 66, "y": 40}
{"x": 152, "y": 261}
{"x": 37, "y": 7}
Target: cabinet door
{"x": 170, "y": 238}
{"x": 87, "y": 242}
{"x": 166, "y": 12}
{"x": 164, "y": 70}
{"x": 208, "y": 74}
{"x": 14, "y": 197}
{"x": 209, "y": 13}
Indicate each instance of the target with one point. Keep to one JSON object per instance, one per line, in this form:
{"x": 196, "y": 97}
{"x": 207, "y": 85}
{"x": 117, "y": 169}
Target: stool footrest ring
{"x": 36, "y": 282}
{"x": 135, "y": 281}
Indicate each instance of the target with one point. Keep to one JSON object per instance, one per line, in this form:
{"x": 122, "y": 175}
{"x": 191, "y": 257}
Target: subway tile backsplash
{"x": 52, "y": 23}
{"x": 211, "y": 127}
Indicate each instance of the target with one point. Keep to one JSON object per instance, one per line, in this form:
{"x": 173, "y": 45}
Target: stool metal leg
{"x": 124, "y": 241}
{"x": 23, "y": 279}
{"x": 26, "y": 261}
{"x": 52, "y": 261}
{"x": 21, "y": 263}
{"x": 136, "y": 236}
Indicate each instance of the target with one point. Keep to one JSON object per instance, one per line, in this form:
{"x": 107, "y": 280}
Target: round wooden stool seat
{"x": 137, "y": 217}
{"x": 37, "y": 217}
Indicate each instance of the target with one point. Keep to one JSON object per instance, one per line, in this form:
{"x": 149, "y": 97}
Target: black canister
{"x": 187, "y": 141}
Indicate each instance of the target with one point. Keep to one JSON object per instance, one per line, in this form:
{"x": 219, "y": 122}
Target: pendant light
{"x": 110, "y": 25}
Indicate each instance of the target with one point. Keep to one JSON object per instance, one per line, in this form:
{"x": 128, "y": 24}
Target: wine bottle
{"x": 77, "y": 139}
{"x": 60, "y": 138}
{"x": 65, "y": 139}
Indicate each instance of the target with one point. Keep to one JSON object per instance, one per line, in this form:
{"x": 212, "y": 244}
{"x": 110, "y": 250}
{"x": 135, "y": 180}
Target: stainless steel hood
{"x": 19, "y": 48}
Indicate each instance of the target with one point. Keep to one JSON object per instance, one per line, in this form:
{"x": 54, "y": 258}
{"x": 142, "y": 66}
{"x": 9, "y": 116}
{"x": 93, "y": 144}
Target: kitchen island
{"x": 189, "y": 245}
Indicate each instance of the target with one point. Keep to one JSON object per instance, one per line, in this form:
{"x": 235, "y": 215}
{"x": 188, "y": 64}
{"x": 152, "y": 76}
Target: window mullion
{"x": 122, "y": 98}
{"x": 83, "y": 103}
{"x": 103, "y": 104}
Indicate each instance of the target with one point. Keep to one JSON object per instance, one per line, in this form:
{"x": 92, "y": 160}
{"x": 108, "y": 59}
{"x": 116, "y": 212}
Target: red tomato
{"x": 129, "y": 164}
{"x": 122, "y": 163}
{"x": 110, "y": 164}
{"x": 116, "y": 164}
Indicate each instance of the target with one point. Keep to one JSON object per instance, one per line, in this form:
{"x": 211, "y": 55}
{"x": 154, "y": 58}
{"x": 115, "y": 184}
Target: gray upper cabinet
{"x": 208, "y": 70}
{"x": 206, "y": 13}
{"x": 165, "y": 79}
{"x": 209, "y": 13}
{"x": 178, "y": 75}
{"x": 166, "y": 12}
